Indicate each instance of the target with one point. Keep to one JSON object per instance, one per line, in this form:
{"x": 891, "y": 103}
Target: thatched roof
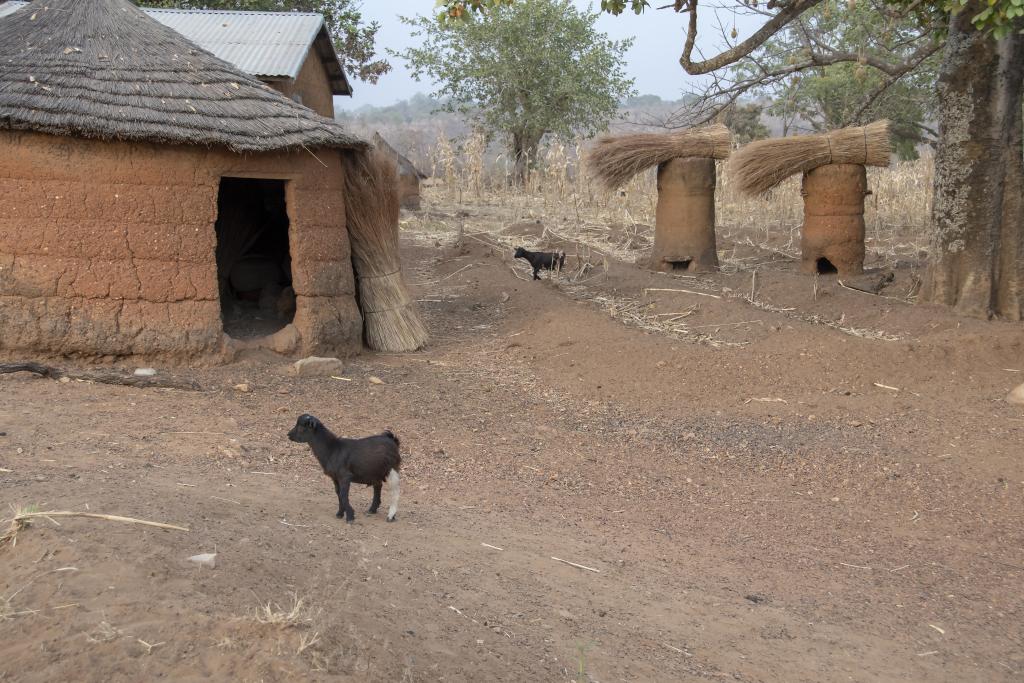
{"x": 104, "y": 69}
{"x": 405, "y": 167}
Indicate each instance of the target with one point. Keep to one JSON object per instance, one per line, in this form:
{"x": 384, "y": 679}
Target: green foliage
{"x": 353, "y": 38}
{"x": 744, "y": 122}
{"x": 999, "y": 17}
{"x": 844, "y": 94}
{"x": 461, "y": 10}
{"x": 524, "y": 70}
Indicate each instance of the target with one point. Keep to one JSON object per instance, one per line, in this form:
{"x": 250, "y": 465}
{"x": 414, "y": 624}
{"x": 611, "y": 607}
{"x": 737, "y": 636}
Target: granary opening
{"x": 253, "y": 257}
{"x": 825, "y": 266}
{"x": 683, "y": 264}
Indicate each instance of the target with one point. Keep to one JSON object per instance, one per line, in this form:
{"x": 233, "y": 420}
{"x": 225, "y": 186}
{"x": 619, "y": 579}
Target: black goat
{"x": 368, "y": 461}
{"x": 548, "y": 260}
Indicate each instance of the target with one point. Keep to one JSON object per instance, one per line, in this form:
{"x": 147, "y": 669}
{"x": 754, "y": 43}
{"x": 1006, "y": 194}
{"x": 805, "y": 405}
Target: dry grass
{"x": 573, "y": 207}
{"x": 18, "y": 522}
{"x": 614, "y": 159}
{"x": 273, "y": 614}
{"x": 761, "y": 165}
{"x": 391, "y": 322}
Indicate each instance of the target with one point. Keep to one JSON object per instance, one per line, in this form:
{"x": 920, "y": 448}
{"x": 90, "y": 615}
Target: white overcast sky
{"x": 653, "y": 60}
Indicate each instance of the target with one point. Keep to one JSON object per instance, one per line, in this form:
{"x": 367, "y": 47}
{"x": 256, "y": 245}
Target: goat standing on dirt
{"x": 548, "y": 260}
{"x": 370, "y": 461}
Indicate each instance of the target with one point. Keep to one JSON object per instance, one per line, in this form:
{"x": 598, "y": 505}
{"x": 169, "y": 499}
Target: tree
{"x": 839, "y": 95}
{"x": 524, "y": 71}
{"x": 353, "y": 39}
{"x": 977, "y": 256}
{"x": 744, "y": 122}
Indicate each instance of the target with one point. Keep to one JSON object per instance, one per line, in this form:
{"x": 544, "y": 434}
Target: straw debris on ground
{"x": 761, "y": 165}
{"x": 615, "y": 159}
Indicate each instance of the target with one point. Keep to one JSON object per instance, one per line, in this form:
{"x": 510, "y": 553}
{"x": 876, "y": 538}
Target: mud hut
{"x": 157, "y": 201}
{"x": 409, "y": 176}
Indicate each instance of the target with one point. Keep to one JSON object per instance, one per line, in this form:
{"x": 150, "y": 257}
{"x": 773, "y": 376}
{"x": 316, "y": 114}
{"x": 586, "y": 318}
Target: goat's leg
{"x": 344, "y": 509}
{"x": 337, "y": 492}
{"x": 376, "y": 499}
{"x": 536, "y": 270}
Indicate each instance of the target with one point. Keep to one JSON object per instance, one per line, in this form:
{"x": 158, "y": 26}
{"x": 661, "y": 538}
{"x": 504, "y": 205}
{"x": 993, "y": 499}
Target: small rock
{"x": 144, "y": 372}
{"x": 64, "y": 380}
{"x": 376, "y": 380}
{"x": 317, "y": 367}
{"x": 243, "y": 388}
{"x": 505, "y": 297}
{"x": 855, "y": 423}
{"x": 756, "y": 598}
{"x": 1016, "y": 396}
{"x": 3, "y": 433}
{"x": 208, "y": 560}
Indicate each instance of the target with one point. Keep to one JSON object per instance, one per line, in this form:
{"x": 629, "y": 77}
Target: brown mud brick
{"x": 834, "y": 219}
{"x": 329, "y": 325}
{"x": 319, "y": 243}
{"x": 684, "y": 236}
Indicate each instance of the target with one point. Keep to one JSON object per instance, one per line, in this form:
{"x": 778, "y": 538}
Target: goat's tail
{"x": 393, "y": 481}
{"x": 391, "y": 435}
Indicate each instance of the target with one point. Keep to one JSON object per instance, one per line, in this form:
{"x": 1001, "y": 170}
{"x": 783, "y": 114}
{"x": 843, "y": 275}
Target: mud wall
{"x": 311, "y": 85}
{"x": 833, "y": 226}
{"x": 684, "y": 233}
{"x": 108, "y": 249}
{"x": 409, "y": 191}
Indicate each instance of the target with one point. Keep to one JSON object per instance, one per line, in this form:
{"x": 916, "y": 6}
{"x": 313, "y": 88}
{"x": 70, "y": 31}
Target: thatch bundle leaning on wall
{"x": 616, "y": 159}
{"x": 761, "y": 165}
{"x": 391, "y": 322}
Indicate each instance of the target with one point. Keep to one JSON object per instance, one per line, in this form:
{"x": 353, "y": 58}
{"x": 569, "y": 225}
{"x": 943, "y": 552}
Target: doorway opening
{"x": 254, "y": 270}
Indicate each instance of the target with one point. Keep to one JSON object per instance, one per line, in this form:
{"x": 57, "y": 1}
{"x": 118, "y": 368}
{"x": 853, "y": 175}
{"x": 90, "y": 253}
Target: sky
{"x": 653, "y": 60}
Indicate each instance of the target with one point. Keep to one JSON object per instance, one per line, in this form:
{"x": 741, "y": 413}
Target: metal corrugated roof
{"x": 265, "y": 44}
{"x": 10, "y": 8}
{"x": 272, "y": 44}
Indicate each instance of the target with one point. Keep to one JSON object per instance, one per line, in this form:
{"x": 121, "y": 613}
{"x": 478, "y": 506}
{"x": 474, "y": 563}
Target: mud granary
{"x": 409, "y": 176}
{"x": 158, "y": 201}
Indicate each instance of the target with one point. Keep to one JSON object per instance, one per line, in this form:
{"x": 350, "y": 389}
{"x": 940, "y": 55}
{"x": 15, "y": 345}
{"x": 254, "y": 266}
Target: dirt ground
{"x": 806, "y": 484}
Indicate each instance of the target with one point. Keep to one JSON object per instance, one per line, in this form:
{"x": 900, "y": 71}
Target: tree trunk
{"x": 524, "y": 151}
{"x": 977, "y": 259}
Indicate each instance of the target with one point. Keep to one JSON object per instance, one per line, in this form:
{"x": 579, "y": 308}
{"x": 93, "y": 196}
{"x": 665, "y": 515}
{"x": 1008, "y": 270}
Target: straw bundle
{"x": 762, "y": 165}
{"x": 616, "y": 159}
{"x": 391, "y": 322}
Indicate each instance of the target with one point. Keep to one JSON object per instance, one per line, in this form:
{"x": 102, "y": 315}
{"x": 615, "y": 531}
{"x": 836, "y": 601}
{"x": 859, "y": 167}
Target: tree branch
{"x": 790, "y": 11}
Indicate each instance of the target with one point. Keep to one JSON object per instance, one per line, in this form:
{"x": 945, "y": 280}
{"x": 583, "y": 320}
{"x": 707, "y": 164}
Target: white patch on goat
{"x": 393, "y": 483}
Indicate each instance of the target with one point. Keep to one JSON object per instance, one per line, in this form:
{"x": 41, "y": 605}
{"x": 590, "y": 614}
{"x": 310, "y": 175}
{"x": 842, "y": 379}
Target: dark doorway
{"x": 681, "y": 265}
{"x": 253, "y": 259}
{"x": 825, "y": 266}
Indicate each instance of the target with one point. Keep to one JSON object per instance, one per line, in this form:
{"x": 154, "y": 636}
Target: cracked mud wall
{"x": 108, "y": 249}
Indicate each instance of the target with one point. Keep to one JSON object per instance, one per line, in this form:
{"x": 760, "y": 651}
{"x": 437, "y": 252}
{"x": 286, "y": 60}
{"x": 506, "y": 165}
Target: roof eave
{"x": 324, "y": 47}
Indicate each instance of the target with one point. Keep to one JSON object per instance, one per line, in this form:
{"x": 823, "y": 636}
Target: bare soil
{"x": 809, "y": 484}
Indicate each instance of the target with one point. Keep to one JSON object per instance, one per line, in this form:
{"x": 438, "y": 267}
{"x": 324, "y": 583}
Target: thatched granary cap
{"x": 104, "y": 69}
